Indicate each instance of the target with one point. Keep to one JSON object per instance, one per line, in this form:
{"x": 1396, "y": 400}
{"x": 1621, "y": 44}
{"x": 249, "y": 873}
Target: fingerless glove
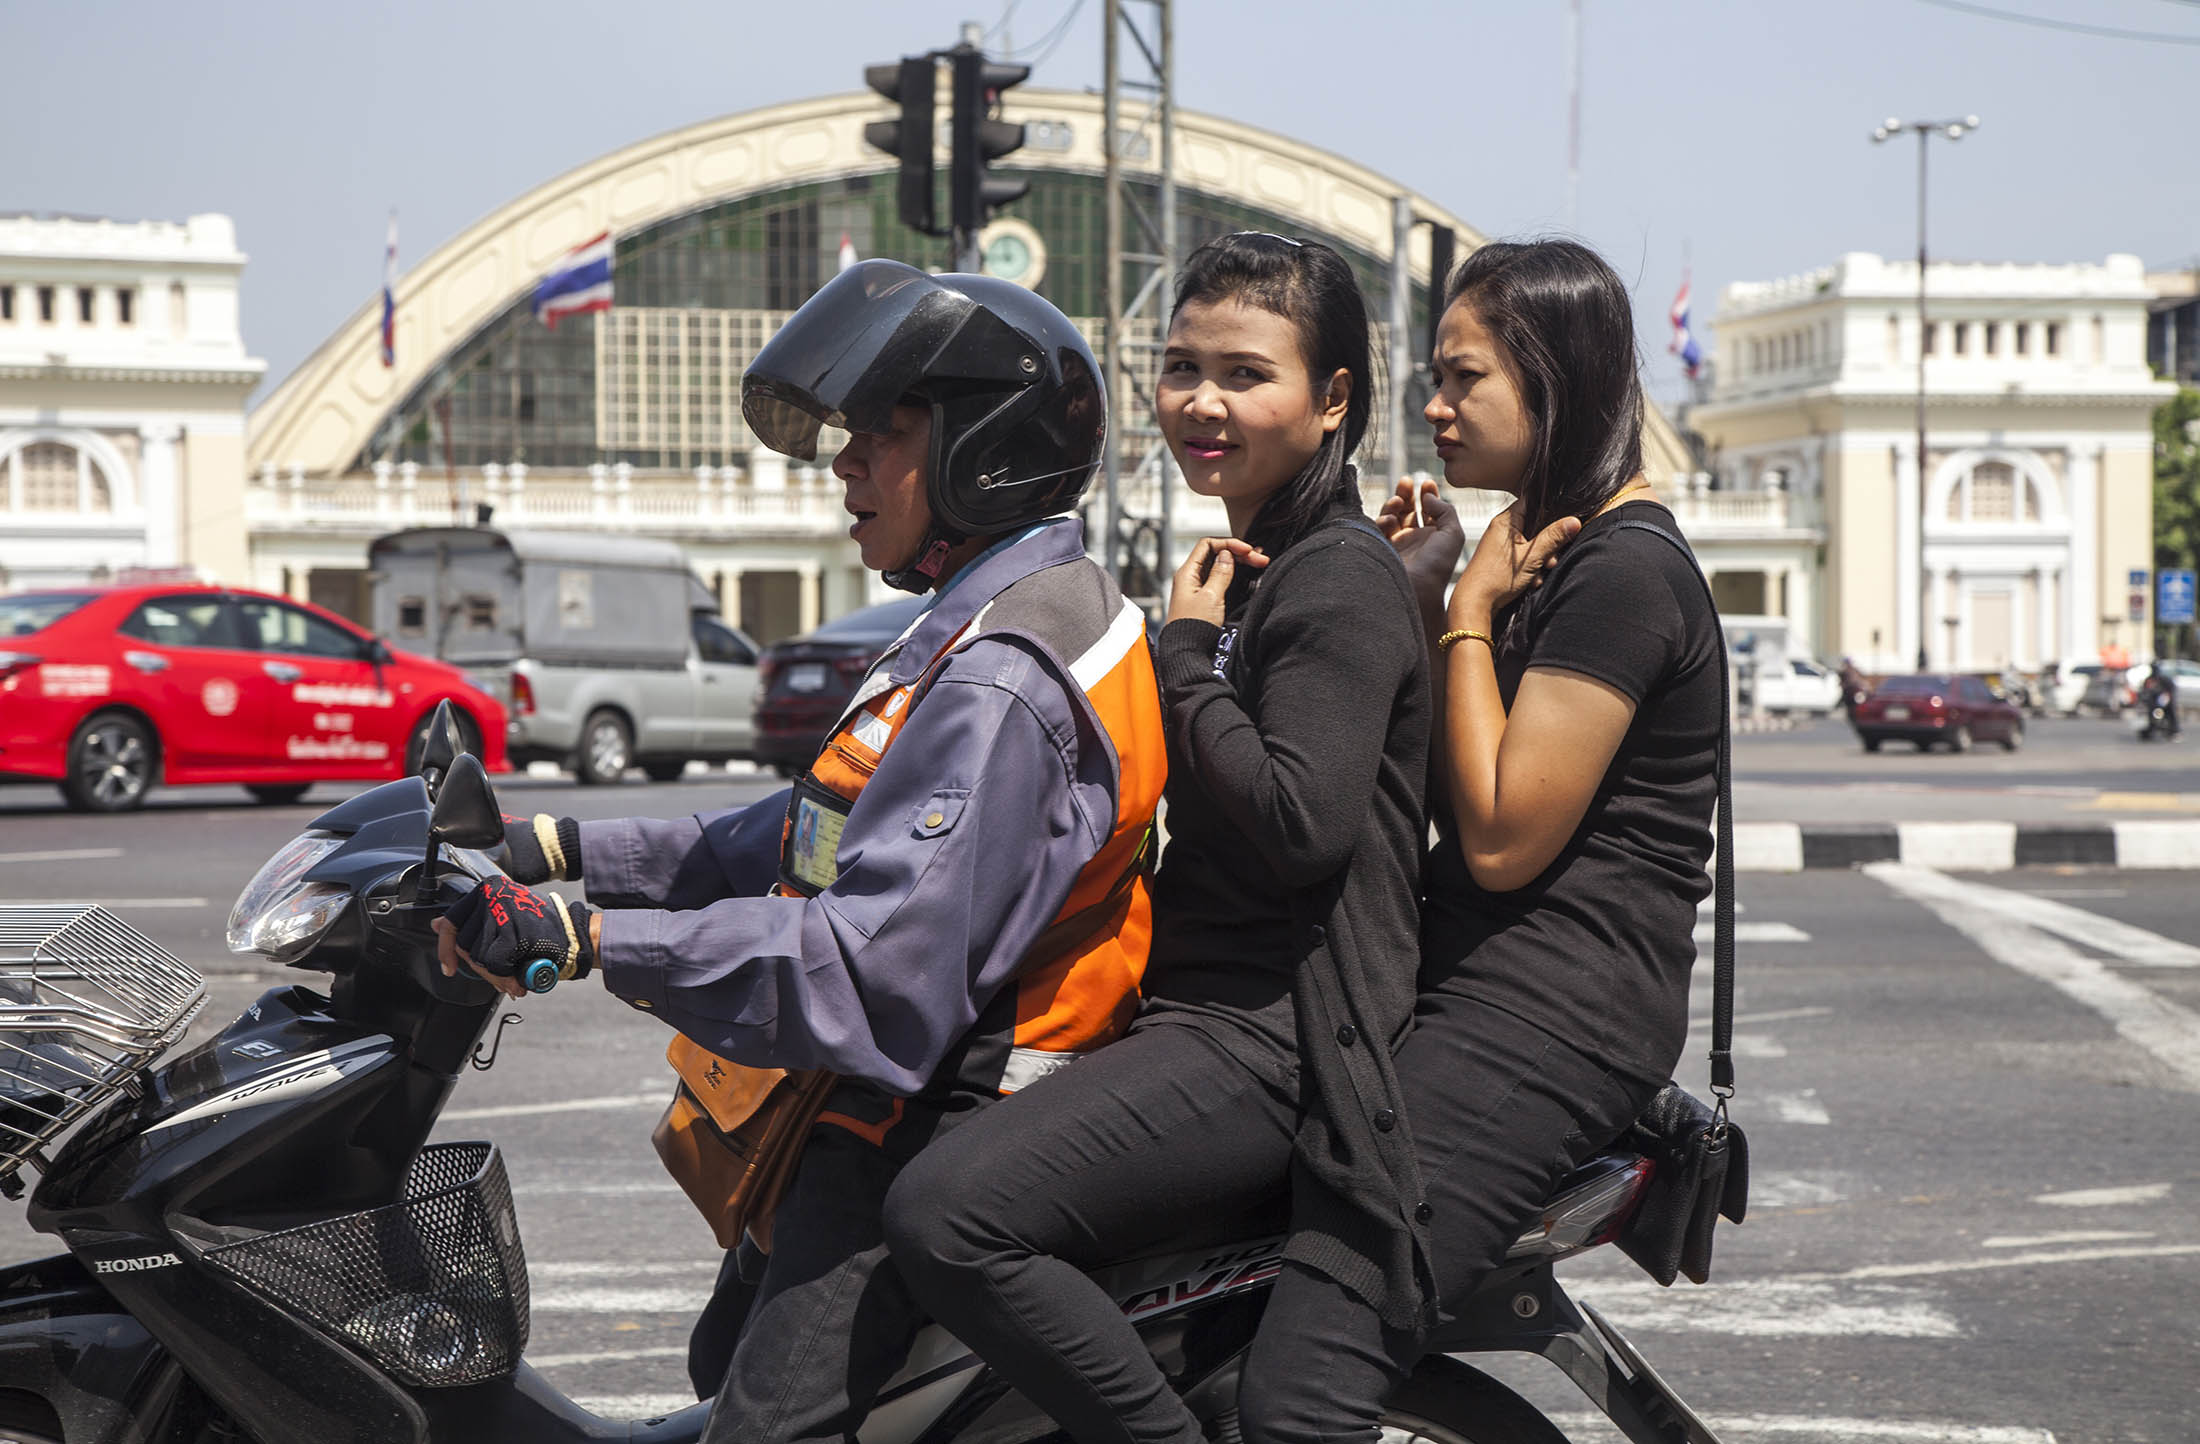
{"x": 542, "y": 848}
{"x": 502, "y": 926}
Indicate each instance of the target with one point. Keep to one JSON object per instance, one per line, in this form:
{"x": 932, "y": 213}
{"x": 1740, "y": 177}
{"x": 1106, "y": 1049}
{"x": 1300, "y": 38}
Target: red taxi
{"x": 107, "y": 690}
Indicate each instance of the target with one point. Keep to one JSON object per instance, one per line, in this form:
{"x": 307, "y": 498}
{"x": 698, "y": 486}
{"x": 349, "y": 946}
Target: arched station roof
{"x": 324, "y": 412}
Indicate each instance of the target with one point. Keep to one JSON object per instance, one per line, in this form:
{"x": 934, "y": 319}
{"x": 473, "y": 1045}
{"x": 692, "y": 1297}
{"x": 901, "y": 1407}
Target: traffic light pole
{"x": 1140, "y": 550}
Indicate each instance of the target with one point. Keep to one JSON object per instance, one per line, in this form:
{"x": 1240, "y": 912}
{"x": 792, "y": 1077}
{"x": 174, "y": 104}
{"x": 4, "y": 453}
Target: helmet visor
{"x": 848, "y": 355}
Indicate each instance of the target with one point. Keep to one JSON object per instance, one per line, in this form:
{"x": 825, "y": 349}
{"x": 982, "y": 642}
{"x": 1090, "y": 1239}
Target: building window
{"x": 1894, "y": 339}
{"x": 125, "y": 306}
{"x": 84, "y": 296}
{"x": 1991, "y": 342}
{"x": 177, "y": 317}
{"x": 2023, "y": 338}
{"x": 1932, "y": 338}
{"x": 1994, "y": 493}
{"x": 45, "y": 477}
{"x": 7, "y": 303}
{"x": 2054, "y": 338}
{"x": 1962, "y": 339}
{"x": 2100, "y": 341}
{"x": 45, "y": 305}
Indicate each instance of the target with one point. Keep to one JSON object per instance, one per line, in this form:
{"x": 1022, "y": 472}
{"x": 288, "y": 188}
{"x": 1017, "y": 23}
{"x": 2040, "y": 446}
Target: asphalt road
{"x": 1970, "y": 1099}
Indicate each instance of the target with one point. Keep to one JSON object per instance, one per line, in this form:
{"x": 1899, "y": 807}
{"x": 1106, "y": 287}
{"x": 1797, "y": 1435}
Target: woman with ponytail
{"x": 1295, "y": 695}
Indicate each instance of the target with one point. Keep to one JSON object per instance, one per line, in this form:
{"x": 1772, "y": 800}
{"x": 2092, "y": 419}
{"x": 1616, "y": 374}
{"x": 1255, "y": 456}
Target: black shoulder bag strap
{"x": 1722, "y": 915}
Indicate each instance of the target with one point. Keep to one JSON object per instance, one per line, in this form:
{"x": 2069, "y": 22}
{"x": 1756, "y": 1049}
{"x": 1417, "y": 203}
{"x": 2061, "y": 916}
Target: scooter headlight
{"x": 280, "y": 915}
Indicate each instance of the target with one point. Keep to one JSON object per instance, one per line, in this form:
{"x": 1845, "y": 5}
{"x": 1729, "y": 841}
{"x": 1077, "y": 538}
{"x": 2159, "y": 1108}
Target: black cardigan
{"x": 1315, "y": 747}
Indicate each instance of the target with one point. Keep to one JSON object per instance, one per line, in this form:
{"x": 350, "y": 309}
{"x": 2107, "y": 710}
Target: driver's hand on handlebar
{"x": 501, "y": 926}
{"x": 542, "y": 847}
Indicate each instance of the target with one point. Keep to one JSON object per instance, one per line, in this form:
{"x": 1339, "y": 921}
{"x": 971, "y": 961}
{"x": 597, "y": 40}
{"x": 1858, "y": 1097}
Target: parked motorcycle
{"x": 263, "y": 1246}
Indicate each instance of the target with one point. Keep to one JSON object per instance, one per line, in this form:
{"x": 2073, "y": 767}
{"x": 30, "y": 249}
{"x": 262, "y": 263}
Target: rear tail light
{"x": 12, "y": 665}
{"x": 523, "y": 694}
{"x": 853, "y": 667}
{"x": 767, "y": 667}
{"x": 1590, "y": 1212}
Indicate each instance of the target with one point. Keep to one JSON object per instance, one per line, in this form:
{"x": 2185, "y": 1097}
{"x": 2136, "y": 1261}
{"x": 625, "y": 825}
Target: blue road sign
{"x": 2173, "y": 597}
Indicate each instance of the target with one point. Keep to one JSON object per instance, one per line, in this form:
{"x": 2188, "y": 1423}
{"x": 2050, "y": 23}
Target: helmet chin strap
{"x": 923, "y": 571}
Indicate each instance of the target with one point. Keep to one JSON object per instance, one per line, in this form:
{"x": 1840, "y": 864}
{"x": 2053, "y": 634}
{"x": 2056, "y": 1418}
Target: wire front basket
{"x": 86, "y": 1002}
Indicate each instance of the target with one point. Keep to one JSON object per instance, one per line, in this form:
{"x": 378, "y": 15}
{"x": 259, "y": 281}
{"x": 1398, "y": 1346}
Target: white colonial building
{"x": 2038, "y": 502}
{"x": 123, "y": 377}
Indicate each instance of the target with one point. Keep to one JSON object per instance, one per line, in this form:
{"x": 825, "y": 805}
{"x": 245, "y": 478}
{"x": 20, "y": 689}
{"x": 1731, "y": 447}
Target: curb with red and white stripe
{"x": 1966, "y": 846}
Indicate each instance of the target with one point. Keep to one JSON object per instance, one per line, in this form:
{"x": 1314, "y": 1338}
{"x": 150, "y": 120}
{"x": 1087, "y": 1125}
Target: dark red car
{"x": 803, "y": 683}
{"x": 107, "y": 690}
{"x": 1936, "y": 707}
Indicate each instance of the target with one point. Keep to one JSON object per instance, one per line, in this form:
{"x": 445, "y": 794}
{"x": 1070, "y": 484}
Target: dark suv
{"x": 805, "y": 682}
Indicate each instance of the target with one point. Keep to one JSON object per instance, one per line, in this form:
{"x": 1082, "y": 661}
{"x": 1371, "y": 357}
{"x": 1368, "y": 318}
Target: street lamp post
{"x": 1925, "y": 129}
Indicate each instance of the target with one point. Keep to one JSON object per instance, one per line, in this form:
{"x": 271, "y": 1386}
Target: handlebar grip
{"x": 539, "y": 976}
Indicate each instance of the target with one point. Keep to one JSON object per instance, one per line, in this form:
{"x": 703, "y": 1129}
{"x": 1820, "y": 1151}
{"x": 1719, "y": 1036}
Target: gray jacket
{"x": 880, "y": 975}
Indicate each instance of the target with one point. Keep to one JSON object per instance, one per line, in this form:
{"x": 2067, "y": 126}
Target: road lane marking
{"x": 112, "y": 904}
{"x": 2105, "y": 1197}
{"x": 636, "y": 1406}
{"x": 1755, "y": 933}
{"x": 1777, "y": 1309}
{"x": 2170, "y": 1032}
{"x": 2010, "y": 1261}
{"x": 565, "y": 1105}
{"x": 1787, "y": 1191}
{"x": 664, "y": 1300}
{"x": 2087, "y": 929}
{"x": 1784, "y": 1015}
{"x": 1802, "y": 1107}
{"x": 606, "y": 1356}
{"x": 701, "y": 1268}
{"x": 609, "y": 1190}
{"x": 2046, "y": 1240}
{"x": 1757, "y": 1045}
{"x": 65, "y": 854}
{"x": 1843, "y": 1431}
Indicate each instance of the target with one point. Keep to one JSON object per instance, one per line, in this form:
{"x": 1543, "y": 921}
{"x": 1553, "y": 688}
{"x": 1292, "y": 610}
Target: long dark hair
{"x": 1312, "y": 287}
{"x": 1563, "y": 317}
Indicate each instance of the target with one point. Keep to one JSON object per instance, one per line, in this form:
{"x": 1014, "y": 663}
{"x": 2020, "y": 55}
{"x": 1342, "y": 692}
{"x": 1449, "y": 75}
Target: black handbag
{"x": 1700, "y": 1158}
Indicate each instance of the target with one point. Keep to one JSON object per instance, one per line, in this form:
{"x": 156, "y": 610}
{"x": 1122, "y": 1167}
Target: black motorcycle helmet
{"x": 1018, "y": 409}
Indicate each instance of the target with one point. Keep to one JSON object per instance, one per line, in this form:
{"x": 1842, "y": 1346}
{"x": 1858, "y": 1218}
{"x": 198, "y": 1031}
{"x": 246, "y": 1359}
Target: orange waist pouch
{"x": 733, "y": 1134}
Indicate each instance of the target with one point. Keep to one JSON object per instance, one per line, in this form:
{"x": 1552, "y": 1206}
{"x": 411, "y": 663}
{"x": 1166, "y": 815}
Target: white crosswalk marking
{"x": 2012, "y": 934}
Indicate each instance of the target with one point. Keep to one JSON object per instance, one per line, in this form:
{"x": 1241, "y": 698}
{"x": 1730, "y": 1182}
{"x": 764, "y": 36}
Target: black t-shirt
{"x": 1598, "y": 949}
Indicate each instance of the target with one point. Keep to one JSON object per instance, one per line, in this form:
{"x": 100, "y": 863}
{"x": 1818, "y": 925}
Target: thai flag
{"x": 389, "y": 297}
{"x": 582, "y": 282}
{"x": 847, "y": 251}
{"x": 1684, "y": 344}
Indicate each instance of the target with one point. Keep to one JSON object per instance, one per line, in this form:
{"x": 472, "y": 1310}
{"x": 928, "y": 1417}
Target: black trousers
{"x": 993, "y": 1226}
{"x": 1500, "y": 1112}
{"x": 795, "y": 1344}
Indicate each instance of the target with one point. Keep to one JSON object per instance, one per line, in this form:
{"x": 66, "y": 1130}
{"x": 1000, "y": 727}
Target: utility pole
{"x": 1925, "y": 129}
{"x": 1133, "y": 328}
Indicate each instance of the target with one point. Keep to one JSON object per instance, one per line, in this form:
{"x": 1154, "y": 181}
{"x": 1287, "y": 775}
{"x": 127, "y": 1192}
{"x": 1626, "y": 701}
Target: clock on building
{"x": 1011, "y": 250}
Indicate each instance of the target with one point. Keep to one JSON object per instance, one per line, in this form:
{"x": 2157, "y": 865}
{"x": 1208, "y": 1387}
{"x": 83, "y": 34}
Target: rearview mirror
{"x": 441, "y": 747}
{"x": 465, "y": 812}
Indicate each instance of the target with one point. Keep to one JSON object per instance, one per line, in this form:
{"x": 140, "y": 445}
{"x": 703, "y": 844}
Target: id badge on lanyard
{"x": 809, "y": 863}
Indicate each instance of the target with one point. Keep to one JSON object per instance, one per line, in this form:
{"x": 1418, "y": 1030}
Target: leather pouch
{"x": 1702, "y": 1172}
{"x": 732, "y": 1135}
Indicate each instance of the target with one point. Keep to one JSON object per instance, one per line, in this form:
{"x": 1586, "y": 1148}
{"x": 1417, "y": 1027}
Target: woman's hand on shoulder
{"x": 1505, "y": 565}
{"x": 1200, "y": 584}
{"x": 1429, "y": 543}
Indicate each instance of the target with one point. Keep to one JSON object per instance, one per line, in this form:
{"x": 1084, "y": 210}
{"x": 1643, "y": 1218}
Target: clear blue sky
{"x": 1731, "y": 131}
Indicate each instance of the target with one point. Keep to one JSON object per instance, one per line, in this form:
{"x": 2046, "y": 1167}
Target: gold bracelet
{"x": 1449, "y": 639}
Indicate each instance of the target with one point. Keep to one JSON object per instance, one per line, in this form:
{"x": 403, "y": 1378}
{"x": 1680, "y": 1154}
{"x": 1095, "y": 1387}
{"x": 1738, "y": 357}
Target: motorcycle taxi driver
{"x": 952, "y": 902}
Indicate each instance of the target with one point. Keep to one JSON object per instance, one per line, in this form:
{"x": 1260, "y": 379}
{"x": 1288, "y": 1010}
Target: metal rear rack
{"x": 86, "y": 1002}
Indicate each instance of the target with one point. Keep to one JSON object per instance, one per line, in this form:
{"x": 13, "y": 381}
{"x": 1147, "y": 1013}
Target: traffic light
{"x": 978, "y": 141}
{"x": 908, "y": 82}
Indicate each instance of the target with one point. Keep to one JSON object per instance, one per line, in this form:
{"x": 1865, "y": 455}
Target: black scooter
{"x": 263, "y": 1247}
